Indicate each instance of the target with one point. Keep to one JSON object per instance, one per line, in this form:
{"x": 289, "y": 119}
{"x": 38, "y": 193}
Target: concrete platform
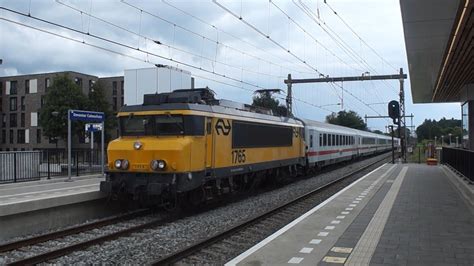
{"x": 31, "y": 207}
{"x": 396, "y": 215}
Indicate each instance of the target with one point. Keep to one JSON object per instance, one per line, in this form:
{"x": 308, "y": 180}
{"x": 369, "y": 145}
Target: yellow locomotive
{"x": 190, "y": 146}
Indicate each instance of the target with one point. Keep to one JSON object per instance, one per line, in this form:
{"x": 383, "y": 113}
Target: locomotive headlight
{"x": 158, "y": 164}
{"x": 125, "y": 164}
{"x": 137, "y": 145}
{"x": 118, "y": 164}
{"x": 161, "y": 164}
{"x": 154, "y": 165}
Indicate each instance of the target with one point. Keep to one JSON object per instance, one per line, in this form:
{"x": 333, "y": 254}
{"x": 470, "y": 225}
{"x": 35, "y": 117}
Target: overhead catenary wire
{"x": 218, "y": 29}
{"x": 282, "y": 47}
{"x": 133, "y": 48}
{"x": 169, "y": 46}
{"x": 358, "y": 36}
{"x": 85, "y": 43}
{"x": 336, "y": 38}
{"x": 268, "y": 37}
{"x": 193, "y": 32}
{"x": 312, "y": 37}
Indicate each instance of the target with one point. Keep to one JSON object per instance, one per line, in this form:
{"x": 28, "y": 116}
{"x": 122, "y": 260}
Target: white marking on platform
{"x": 345, "y": 213}
{"x": 287, "y": 227}
{"x": 359, "y": 198}
{"x": 306, "y": 250}
{"x": 315, "y": 241}
{"x": 295, "y": 260}
{"x": 352, "y": 205}
{"x": 356, "y": 201}
{"x": 340, "y": 217}
{"x": 323, "y": 233}
{"x": 329, "y": 227}
{"x": 341, "y": 250}
{"x": 335, "y": 222}
{"x": 340, "y": 260}
{"x": 349, "y": 209}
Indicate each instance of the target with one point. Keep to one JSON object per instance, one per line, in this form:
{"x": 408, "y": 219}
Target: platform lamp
{"x": 436, "y": 137}
{"x": 442, "y": 140}
{"x": 457, "y": 141}
{"x": 450, "y": 143}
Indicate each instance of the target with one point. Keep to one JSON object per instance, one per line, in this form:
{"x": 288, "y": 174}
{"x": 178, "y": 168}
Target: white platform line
{"x": 287, "y": 227}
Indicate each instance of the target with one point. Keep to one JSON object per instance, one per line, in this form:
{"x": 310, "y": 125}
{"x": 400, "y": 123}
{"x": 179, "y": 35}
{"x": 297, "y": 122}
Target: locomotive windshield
{"x": 151, "y": 125}
{"x": 161, "y": 125}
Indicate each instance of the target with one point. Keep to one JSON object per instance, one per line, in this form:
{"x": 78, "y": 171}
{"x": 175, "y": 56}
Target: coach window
{"x": 324, "y": 140}
{"x": 320, "y": 140}
{"x": 311, "y": 141}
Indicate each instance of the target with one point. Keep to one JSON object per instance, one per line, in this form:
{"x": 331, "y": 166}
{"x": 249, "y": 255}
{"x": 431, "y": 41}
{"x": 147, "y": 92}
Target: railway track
{"x": 52, "y": 254}
{"x": 217, "y": 245}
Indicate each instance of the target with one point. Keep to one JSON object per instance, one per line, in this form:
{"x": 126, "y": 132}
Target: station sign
{"x": 93, "y": 127}
{"x": 86, "y": 116}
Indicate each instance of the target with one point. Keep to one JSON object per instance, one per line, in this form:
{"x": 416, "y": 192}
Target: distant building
{"x": 21, "y": 98}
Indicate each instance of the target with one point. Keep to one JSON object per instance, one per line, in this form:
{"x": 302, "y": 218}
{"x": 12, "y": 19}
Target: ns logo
{"x": 223, "y": 127}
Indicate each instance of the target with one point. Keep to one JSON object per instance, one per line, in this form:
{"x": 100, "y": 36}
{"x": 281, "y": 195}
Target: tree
{"x": 62, "y": 95}
{"x": 265, "y": 100}
{"x": 377, "y": 132}
{"x": 347, "y": 119}
{"x": 97, "y": 102}
{"x": 432, "y": 128}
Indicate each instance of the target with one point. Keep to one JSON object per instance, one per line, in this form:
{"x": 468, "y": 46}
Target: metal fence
{"x": 17, "y": 166}
{"x": 461, "y": 160}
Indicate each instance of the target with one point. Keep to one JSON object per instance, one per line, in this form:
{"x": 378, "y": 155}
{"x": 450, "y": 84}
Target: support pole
{"x": 393, "y": 145}
{"x": 289, "y": 97}
{"x": 69, "y": 145}
{"x": 91, "y": 159}
{"x": 403, "y": 137}
{"x": 102, "y": 158}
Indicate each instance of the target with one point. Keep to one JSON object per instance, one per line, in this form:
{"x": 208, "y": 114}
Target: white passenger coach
{"x": 327, "y": 143}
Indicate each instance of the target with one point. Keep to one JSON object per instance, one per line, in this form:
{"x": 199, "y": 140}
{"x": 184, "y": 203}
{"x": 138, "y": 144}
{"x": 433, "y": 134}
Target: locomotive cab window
{"x": 161, "y": 125}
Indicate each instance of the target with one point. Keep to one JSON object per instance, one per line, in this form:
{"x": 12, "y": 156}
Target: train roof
{"x": 326, "y": 127}
{"x": 203, "y": 100}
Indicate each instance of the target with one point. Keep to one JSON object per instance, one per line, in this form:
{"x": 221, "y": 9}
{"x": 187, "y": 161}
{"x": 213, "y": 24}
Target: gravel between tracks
{"x": 150, "y": 244}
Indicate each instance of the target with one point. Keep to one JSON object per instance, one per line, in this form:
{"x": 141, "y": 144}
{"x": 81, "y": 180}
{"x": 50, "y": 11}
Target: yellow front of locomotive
{"x": 158, "y": 152}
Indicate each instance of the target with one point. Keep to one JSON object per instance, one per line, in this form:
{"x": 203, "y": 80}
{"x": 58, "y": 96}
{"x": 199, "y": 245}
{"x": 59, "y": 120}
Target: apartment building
{"x": 21, "y": 98}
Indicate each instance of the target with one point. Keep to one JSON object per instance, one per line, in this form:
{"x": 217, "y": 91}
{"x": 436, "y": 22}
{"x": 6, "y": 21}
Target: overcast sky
{"x": 207, "y": 35}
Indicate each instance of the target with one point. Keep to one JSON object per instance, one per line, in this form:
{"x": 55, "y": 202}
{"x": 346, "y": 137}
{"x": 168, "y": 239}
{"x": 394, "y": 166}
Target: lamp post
{"x": 450, "y": 143}
{"x": 457, "y": 141}
{"x": 435, "y": 141}
{"x": 442, "y": 140}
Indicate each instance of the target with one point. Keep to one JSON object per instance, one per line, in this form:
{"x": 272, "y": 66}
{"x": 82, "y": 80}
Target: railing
{"x": 461, "y": 160}
{"x": 17, "y": 166}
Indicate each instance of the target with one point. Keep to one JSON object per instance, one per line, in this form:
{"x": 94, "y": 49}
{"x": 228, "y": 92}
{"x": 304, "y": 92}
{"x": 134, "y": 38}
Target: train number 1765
{"x": 238, "y": 156}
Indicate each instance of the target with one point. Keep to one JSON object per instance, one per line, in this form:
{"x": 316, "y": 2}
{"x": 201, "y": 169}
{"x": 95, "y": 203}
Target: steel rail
{"x": 70, "y": 231}
{"x": 196, "y": 247}
{"x": 49, "y": 255}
